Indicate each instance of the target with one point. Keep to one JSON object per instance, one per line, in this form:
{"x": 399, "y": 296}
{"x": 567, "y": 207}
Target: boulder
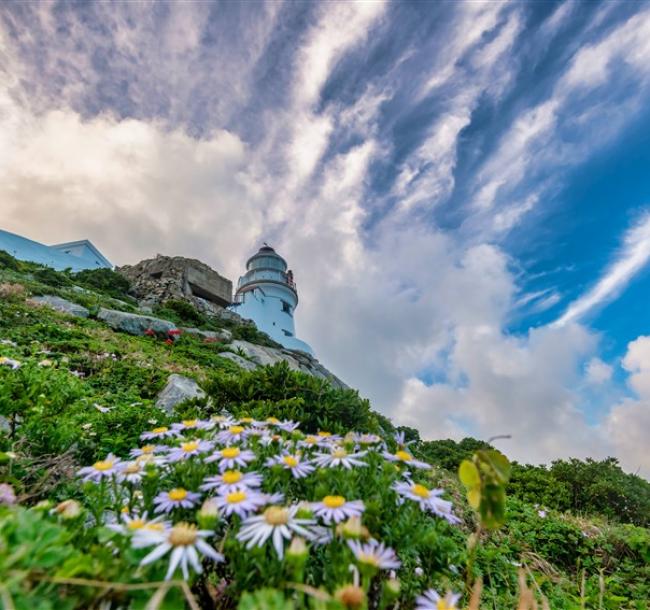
{"x": 134, "y": 324}
{"x": 62, "y": 305}
{"x": 247, "y": 365}
{"x": 178, "y": 389}
{"x": 264, "y": 355}
{"x": 223, "y": 334}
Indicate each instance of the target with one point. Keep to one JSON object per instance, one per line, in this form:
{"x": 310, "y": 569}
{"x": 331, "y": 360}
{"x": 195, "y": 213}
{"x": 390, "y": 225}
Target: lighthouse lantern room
{"x": 267, "y": 294}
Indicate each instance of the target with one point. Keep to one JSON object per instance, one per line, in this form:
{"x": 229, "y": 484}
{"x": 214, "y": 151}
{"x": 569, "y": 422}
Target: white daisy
{"x": 375, "y": 554}
{"x": 337, "y": 508}
{"x": 10, "y": 362}
{"x": 277, "y": 522}
{"x": 338, "y": 456}
{"x": 131, "y": 472}
{"x": 166, "y": 501}
{"x": 240, "y": 502}
{"x": 431, "y": 600}
{"x": 288, "y": 426}
{"x": 428, "y": 499}
{"x": 189, "y": 449}
{"x": 231, "y": 480}
{"x": 100, "y": 470}
{"x": 132, "y": 523}
{"x": 160, "y": 432}
{"x": 405, "y": 457}
{"x": 400, "y": 439}
{"x": 148, "y": 450}
{"x": 185, "y": 540}
{"x": 267, "y": 439}
{"x": 231, "y": 458}
{"x": 193, "y": 425}
{"x": 293, "y": 462}
{"x": 233, "y": 434}
{"x": 223, "y": 421}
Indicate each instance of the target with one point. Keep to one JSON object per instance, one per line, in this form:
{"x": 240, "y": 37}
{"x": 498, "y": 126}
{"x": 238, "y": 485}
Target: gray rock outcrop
{"x": 178, "y": 389}
{"x": 247, "y": 365}
{"x": 221, "y": 334}
{"x": 134, "y": 324}
{"x": 62, "y": 305}
{"x": 261, "y": 355}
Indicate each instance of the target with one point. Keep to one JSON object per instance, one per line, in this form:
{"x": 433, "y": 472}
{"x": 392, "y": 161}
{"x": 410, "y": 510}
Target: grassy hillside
{"x": 86, "y": 468}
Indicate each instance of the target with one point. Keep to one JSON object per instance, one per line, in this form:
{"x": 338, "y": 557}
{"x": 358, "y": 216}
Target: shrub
{"x": 9, "y": 262}
{"x": 105, "y": 280}
{"x": 185, "y": 312}
{"x": 12, "y": 292}
{"x": 56, "y": 279}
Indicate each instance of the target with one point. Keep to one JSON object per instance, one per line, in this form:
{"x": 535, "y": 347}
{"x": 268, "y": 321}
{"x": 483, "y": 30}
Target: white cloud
{"x": 633, "y": 257}
{"x": 598, "y": 372}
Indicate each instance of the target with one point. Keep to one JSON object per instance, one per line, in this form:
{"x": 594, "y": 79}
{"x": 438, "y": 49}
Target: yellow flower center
{"x": 231, "y": 476}
{"x": 420, "y": 490}
{"x": 154, "y": 527}
{"x": 339, "y": 453}
{"x": 311, "y": 440}
{"x": 272, "y": 420}
{"x": 124, "y": 510}
{"x": 145, "y": 458}
{"x": 443, "y": 605}
{"x": 132, "y": 468}
{"x": 236, "y": 497}
{"x": 405, "y": 456}
{"x": 236, "y": 429}
{"x": 160, "y": 430}
{"x": 290, "y": 461}
{"x": 103, "y": 465}
{"x": 276, "y": 515}
{"x": 183, "y": 534}
{"x": 247, "y": 420}
{"x": 135, "y": 524}
{"x": 177, "y": 494}
{"x": 189, "y": 423}
{"x": 189, "y": 447}
{"x": 230, "y": 452}
{"x": 333, "y": 501}
{"x": 148, "y": 448}
{"x": 324, "y": 434}
{"x": 368, "y": 559}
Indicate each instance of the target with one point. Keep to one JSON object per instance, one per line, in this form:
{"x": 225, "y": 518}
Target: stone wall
{"x": 156, "y": 280}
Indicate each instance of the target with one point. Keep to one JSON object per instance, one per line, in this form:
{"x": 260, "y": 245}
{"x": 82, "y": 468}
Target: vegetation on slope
{"x": 576, "y": 531}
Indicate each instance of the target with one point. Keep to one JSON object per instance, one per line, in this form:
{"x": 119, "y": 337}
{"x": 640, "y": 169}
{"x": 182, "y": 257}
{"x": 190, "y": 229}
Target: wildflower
{"x": 161, "y": 432}
{"x": 185, "y": 540}
{"x": 148, "y": 450}
{"x": 276, "y": 522}
{"x": 68, "y": 509}
{"x": 374, "y": 554}
{"x": 367, "y": 439}
{"x": 45, "y": 363}
{"x": 167, "y": 501}
{"x": 99, "y": 470}
{"x": 338, "y": 456}
{"x": 297, "y": 548}
{"x": 132, "y": 524}
{"x": 192, "y": 424}
{"x": 150, "y": 332}
{"x": 223, "y": 421}
{"x": 431, "y": 600}
{"x": 10, "y": 362}
{"x": 230, "y": 458}
{"x": 175, "y": 332}
{"x": 352, "y": 528}
{"x": 428, "y": 499}
{"x": 288, "y": 425}
{"x": 7, "y": 494}
{"x": 294, "y": 463}
{"x": 189, "y": 449}
{"x": 240, "y": 502}
{"x": 541, "y": 513}
{"x": 405, "y": 457}
{"x": 400, "y": 439}
{"x": 208, "y": 514}
{"x": 102, "y": 409}
{"x": 233, "y": 434}
{"x": 231, "y": 480}
{"x": 337, "y": 508}
{"x": 131, "y": 472}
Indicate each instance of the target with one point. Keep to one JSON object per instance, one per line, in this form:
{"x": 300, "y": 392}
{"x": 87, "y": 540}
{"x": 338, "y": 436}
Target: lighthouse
{"x": 267, "y": 294}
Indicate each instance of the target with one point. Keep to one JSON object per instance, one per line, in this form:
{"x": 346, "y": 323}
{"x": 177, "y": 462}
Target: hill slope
{"x": 90, "y": 465}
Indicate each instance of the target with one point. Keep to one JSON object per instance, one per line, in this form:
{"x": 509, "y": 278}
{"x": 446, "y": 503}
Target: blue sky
{"x": 462, "y": 188}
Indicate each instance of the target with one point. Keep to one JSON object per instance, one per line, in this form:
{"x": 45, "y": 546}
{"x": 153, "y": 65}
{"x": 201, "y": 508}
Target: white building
{"x": 267, "y": 294}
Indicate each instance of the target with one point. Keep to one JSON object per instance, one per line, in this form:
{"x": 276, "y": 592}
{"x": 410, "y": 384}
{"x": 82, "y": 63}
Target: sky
{"x": 461, "y": 188}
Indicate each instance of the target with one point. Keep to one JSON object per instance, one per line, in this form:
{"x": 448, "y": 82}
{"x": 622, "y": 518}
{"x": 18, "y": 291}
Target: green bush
{"x": 105, "y": 280}
{"x": 9, "y": 262}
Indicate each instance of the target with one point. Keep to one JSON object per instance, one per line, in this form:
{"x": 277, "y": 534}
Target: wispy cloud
{"x": 633, "y": 257}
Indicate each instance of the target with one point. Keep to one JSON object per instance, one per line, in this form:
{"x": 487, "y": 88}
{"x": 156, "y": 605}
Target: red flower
{"x": 150, "y": 332}
{"x": 169, "y": 342}
{"x": 176, "y": 332}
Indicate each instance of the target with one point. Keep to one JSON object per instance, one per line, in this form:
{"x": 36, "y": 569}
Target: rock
{"x": 177, "y": 390}
{"x": 62, "y": 305}
{"x": 297, "y": 360}
{"x": 239, "y": 361}
{"x": 134, "y": 324}
{"x": 223, "y": 334}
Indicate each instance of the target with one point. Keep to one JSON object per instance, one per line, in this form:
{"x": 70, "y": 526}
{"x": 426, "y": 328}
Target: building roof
{"x": 84, "y": 243}
{"x": 26, "y": 249}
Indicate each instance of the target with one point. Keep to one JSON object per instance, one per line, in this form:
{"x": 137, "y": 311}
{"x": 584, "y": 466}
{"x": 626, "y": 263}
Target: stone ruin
{"x": 156, "y": 280}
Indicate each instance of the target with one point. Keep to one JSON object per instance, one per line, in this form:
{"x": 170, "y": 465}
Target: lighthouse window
{"x": 286, "y": 307}
{"x": 287, "y": 333}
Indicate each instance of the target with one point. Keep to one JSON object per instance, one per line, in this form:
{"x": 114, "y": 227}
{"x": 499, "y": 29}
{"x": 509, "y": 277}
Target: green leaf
{"x": 469, "y": 474}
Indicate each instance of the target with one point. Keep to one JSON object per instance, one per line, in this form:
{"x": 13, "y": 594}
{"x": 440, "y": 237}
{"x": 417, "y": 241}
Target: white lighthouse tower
{"x": 267, "y": 294}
